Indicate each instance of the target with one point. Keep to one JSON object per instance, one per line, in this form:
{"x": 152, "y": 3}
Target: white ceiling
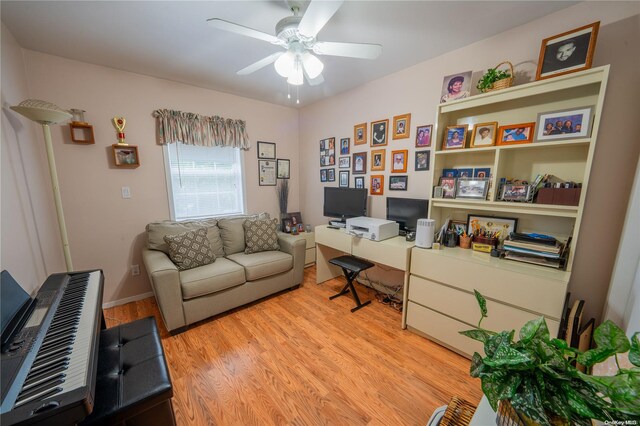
{"x": 171, "y": 39}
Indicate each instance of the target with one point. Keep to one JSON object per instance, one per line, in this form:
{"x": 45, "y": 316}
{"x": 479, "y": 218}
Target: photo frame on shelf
{"x": 456, "y": 86}
{"x": 266, "y": 150}
{"x": 514, "y": 134}
{"x": 567, "y": 124}
{"x": 423, "y": 136}
{"x": 266, "y": 172}
{"x": 125, "y": 156}
{"x": 398, "y": 183}
{"x": 379, "y": 132}
{"x": 455, "y": 137}
{"x": 295, "y": 217}
{"x": 567, "y": 52}
{"x": 491, "y": 224}
{"x": 465, "y": 173}
{"x": 401, "y": 126}
{"x": 328, "y": 152}
{"x": 343, "y": 179}
{"x": 331, "y": 175}
{"x": 484, "y": 134}
{"x": 360, "y": 134}
{"x": 422, "y": 160}
{"x": 516, "y": 192}
{"x": 482, "y": 172}
{"x": 378, "y": 159}
{"x": 376, "y": 186}
{"x": 450, "y": 172}
{"x": 474, "y": 189}
{"x": 359, "y": 163}
{"x": 448, "y": 185}
{"x": 344, "y": 162}
{"x": 358, "y": 182}
{"x": 344, "y": 146}
{"x": 399, "y": 161}
{"x": 283, "y": 168}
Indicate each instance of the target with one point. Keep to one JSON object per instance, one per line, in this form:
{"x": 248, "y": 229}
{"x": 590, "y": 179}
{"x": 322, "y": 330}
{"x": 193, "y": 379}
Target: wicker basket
{"x": 505, "y": 82}
{"x": 459, "y": 413}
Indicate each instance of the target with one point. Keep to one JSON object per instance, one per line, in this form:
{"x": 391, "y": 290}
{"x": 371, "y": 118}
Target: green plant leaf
{"x": 634, "y": 352}
{"x": 496, "y": 340}
{"x": 609, "y": 335}
{"x": 481, "y": 302}
{"x": 555, "y": 401}
{"x": 536, "y": 328}
{"x": 478, "y": 368}
{"x": 622, "y": 389}
{"x": 594, "y": 356}
{"x": 577, "y": 402}
{"x": 505, "y": 355}
{"x": 529, "y": 402}
{"x": 475, "y": 334}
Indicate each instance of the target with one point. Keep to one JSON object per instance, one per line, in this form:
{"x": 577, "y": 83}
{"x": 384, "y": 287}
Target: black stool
{"x": 351, "y": 267}
{"x": 133, "y": 387}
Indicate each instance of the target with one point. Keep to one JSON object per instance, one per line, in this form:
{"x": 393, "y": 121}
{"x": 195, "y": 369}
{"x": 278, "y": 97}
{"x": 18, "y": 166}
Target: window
{"x": 203, "y": 181}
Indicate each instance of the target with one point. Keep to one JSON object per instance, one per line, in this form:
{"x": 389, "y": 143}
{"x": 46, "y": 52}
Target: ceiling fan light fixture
{"x": 296, "y": 78}
{"x": 285, "y": 64}
{"x": 312, "y": 65}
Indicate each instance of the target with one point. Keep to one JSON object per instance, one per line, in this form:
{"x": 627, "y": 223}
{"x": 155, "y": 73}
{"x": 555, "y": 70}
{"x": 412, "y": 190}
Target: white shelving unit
{"x": 454, "y": 271}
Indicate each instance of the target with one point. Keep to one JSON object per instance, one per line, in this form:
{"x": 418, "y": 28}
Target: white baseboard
{"x": 126, "y": 300}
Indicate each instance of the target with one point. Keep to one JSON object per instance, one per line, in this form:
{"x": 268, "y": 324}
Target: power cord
{"x": 388, "y": 297}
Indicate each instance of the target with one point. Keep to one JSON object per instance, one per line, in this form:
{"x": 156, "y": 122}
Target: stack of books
{"x": 537, "y": 249}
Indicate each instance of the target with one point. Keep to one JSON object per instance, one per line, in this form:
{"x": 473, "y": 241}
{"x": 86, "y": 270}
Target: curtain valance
{"x": 195, "y": 129}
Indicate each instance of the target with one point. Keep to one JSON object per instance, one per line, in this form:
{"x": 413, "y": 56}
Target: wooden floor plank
{"x": 299, "y": 358}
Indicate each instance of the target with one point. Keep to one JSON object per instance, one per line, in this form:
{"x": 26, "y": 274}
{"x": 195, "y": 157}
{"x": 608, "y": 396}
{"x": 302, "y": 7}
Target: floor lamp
{"x": 47, "y": 113}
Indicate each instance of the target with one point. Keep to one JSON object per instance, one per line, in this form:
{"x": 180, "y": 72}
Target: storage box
{"x": 559, "y": 196}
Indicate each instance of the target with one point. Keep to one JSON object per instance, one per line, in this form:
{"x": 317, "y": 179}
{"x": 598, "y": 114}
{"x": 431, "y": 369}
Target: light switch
{"x": 126, "y": 192}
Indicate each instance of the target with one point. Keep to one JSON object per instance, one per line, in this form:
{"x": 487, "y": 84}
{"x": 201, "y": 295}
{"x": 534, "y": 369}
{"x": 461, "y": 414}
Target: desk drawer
{"x": 334, "y": 238}
{"x": 310, "y": 256}
{"x": 464, "y": 307}
{"x": 442, "y": 329}
{"x": 383, "y": 252}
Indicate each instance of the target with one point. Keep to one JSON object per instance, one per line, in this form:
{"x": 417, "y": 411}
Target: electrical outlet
{"x": 126, "y": 192}
{"x": 135, "y": 270}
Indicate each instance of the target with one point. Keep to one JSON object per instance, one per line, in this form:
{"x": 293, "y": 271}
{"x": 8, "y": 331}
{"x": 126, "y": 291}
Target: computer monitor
{"x": 344, "y": 203}
{"x": 407, "y": 211}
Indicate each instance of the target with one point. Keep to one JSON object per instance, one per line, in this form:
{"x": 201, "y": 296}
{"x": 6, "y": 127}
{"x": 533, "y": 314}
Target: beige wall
{"x": 416, "y": 90}
{"x": 105, "y": 230}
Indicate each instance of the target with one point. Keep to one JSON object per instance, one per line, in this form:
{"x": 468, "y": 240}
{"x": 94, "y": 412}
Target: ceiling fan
{"x": 297, "y": 34}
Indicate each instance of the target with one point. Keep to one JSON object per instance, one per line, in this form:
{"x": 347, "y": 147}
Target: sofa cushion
{"x": 190, "y": 249}
{"x": 211, "y": 278}
{"x": 157, "y": 230}
{"x": 232, "y": 232}
{"x": 263, "y": 264}
{"x": 260, "y": 235}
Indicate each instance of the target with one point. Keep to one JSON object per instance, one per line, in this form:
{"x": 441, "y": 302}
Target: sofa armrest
{"x": 296, "y": 247}
{"x": 165, "y": 281}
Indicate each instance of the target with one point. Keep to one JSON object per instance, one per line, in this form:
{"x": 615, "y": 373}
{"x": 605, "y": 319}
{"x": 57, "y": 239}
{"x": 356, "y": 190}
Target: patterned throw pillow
{"x": 190, "y": 249}
{"x": 260, "y": 235}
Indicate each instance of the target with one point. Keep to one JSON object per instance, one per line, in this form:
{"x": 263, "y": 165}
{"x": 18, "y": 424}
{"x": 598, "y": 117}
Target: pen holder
{"x": 450, "y": 239}
{"x": 465, "y": 241}
{"x": 484, "y": 244}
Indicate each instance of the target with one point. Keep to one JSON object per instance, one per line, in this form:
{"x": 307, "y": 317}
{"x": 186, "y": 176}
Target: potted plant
{"x": 495, "y": 79}
{"x": 282, "y": 191}
{"x": 537, "y": 376}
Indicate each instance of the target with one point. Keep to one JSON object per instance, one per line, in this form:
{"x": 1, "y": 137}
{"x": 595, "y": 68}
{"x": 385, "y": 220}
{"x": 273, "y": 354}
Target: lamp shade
{"x": 312, "y": 65}
{"x": 285, "y": 64}
{"x": 296, "y": 78}
{"x": 41, "y": 111}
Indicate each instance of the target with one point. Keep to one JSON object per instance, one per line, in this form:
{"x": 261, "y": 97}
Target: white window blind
{"x": 204, "y": 181}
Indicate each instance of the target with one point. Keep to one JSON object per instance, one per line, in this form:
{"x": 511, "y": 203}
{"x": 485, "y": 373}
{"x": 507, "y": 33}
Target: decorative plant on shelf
{"x": 283, "y": 196}
{"x": 491, "y": 76}
{"x": 536, "y": 375}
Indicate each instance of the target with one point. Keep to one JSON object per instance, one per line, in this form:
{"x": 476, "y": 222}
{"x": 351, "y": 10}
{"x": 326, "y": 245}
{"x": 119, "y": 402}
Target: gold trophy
{"x": 120, "y": 122}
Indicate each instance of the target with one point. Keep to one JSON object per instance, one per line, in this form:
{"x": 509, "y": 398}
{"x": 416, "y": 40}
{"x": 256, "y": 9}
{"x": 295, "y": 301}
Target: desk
{"x": 393, "y": 252}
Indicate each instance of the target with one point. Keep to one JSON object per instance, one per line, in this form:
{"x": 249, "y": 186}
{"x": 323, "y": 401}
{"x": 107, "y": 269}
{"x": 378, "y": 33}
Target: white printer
{"x": 372, "y": 228}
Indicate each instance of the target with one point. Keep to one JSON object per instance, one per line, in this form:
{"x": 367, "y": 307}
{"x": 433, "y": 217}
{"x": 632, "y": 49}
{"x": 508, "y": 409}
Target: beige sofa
{"x": 233, "y": 279}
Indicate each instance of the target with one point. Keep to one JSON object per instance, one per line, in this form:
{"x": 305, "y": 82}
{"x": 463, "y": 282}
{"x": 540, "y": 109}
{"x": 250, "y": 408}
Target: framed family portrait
{"x": 454, "y": 137}
{"x": 360, "y": 134}
{"x": 456, "y": 86}
{"x": 328, "y": 152}
{"x": 398, "y": 183}
{"x": 475, "y": 189}
{"x": 399, "y": 164}
{"x": 331, "y": 175}
{"x": 484, "y": 134}
{"x": 344, "y": 163}
{"x": 267, "y": 150}
{"x": 266, "y": 172}
{"x": 125, "y": 156}
{"x": 448, "y": 185}
{"x": 283, "y": 169}
{"x": 379, "y": 131}
{"x": 359, "y": 163}
{"x": 344, "y": 146}
{"x": 358, "y": 182}
{"x": 422, "y": 160}
{"x": 491, "y": 225}
{"x": 567, "y": 52}
{"x": 566, "y": 124}
{"x": 515, "y": 134}
{"x": 378, "y": 159}
{"x": 343, "y": 179}
{"x": 376, "y": 185}
{"x": 401, "y": 126}
{"x": 423, "y": 136}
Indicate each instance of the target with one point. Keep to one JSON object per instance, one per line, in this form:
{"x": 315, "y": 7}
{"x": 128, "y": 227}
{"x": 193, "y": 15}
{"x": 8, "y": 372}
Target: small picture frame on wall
{"x": 423, "y": 136}
{"x": 323, "y": 175}
{"x": 376, "y": 185}
{"x": 360, "y": 134}
{"x": 359, "y": 163}
{"x": 401, "y": 126}
{"x": 266, "y": 172}
{"x": 377, "y": 159}
{"x": 267, "y": 150}
{"x": 379, "y": 132}
{"x": 343, "y": 181}
{"x": 344, "y": 162}
{"x": 358, "y": 182}
{"x": 344, "y": 146}
{"x": 398, "y": 183}
{"x": 422, "y": 160}
{"x": 331, "y": 175}
{"x": 125, "y": 156}
{"x": 399, "y": 158}
{"x": 283, "y": 168}
{"x": 328, "y": 152}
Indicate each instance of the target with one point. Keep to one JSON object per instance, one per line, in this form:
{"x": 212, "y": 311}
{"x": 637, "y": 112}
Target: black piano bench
{"x": 133, "y": 387}
{"x": 351, "y": 267}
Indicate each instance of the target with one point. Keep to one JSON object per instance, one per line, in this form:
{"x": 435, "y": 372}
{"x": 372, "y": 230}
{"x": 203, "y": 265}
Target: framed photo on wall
{"x": 359, "y": 163}
{"x": 567, "y": 52}
{"x": 378, "y": 159}
{"x": 423, "y": 136}
{"x": 422, "y": 160}
{"x": 398, "y": 183}
{"x": 343, "y": 181}
{"x": 267, "y": 150}
{"x": 328, "y": 152}
{"x": 360, "y": 134}
{"x": 323, "y": 175}
{"x": 376, "y": 185}
{"x": 401, "y": 126}
{"x": 283, "y": 169}
{"x": 344, "y": 162}
{"x": 125, "y": 156}
{"x": 344, "y": 146}
{"x": 358, "y": 182}
{"x": 331, "y": 175}
{"x": 379, "y": 132}
{"x": 399, "y": 164}
{"x": 267, "y": 172}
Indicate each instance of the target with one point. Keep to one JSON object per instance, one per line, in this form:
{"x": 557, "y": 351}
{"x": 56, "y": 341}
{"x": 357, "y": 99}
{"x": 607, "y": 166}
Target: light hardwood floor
{"x": 298, "y": 358}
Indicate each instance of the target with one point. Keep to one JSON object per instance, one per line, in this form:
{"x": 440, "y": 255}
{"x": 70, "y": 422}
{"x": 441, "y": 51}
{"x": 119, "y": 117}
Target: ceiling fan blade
{"x": 317, "y": 15}
{"x": 350, "y": 50}
{"x": 242, "y": 30}
{"x": 260, "y": 64}
{"x": 313, "y": 81}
